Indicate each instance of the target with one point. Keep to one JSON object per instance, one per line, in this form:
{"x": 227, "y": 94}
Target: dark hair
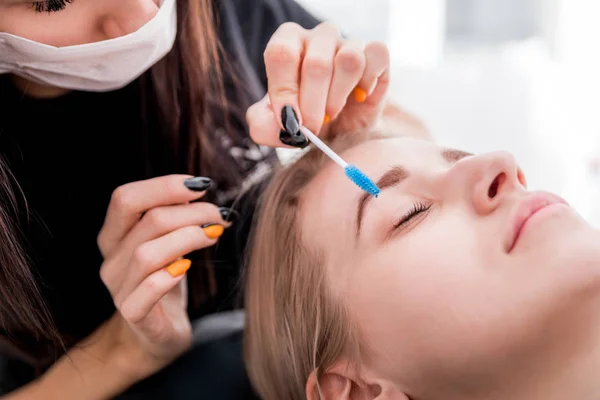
{"x": 188, "y": 126}
{"x": 187, "y": 108}
{"x": 22, "y": 308}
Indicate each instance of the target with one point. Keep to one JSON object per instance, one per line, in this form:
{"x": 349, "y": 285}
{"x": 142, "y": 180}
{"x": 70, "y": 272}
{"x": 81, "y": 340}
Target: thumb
{"x": 264, "y": 125}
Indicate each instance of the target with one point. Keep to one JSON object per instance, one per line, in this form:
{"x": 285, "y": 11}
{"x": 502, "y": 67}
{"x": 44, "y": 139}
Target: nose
{"x": 486, "y": 180}
{"x": 127, "y": 16}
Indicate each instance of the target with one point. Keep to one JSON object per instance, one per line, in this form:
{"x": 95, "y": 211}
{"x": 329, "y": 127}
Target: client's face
{"x": 451, "y": 273}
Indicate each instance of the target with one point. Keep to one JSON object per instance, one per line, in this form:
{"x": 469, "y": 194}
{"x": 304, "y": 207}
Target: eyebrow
{"x": 453, "y": 156}
{"x": 391, "y": 178}
{"x": 396, "y": 175}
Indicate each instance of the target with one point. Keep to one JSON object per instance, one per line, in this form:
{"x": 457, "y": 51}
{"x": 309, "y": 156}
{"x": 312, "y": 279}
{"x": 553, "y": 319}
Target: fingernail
{"x": 360, "y": 95}
{"x": 289, "y": 119}
{"x": 228, "y": 214}
{"x": 326, "y": 119}
{"x": 179, "y": 267}
{"x": 291, "y": 135}
{"x": 198, "y": 184}
{"x": 213, "y": 231}
{"x": 299, "y": 141}
{"x": 293, "y": 140}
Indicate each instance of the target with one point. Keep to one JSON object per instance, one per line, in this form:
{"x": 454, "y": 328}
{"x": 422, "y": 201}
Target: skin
{"x": 79, "y": 23}
{"x": 315, "y": 71}
{"x": 87, "y": 21}
{"x": 149, "y": 225}
{"x": 318, "y": 73}
{"x": 447, "y": 310}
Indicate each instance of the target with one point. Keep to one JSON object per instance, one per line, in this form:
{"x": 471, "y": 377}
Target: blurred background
{"x": 486, "y": 75}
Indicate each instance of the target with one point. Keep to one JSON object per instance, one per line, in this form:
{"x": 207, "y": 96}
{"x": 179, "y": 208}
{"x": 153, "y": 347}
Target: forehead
{"x": 328, "y": 205}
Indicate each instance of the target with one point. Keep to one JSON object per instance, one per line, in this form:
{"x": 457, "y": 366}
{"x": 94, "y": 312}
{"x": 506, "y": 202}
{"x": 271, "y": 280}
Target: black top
{"x": 68, "y": 154}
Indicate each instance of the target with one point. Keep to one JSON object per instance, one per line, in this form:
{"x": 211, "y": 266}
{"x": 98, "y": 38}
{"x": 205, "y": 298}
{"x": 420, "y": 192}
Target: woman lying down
{"x": 456, "y": 283}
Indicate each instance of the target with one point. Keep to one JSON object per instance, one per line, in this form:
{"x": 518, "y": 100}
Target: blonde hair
{"x": 295, "y": 325}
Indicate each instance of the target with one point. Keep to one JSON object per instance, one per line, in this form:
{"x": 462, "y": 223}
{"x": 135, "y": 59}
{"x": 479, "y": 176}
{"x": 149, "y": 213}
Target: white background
{"x": 486, "y": 75}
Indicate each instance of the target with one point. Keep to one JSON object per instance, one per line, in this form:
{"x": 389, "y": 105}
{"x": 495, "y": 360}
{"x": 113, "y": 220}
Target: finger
{"x": 349, "y": 67}
{"x": 283, "y": 57}
{"x": 163, "y": 220}
{"x": 377, "y": 65}
{"x": 124, "y": 271}
{"x": 317, "y": 71}
{"x": 264, "y": 127}
{"x": 135, "y": 307}
{"x": 130, "y": 201}
{"x": 380, "y": 91}
{"x": 154, "y": 255}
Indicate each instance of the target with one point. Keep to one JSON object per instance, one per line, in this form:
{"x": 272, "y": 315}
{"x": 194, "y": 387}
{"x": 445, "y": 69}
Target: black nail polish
{"x": 289, "y": 119}
{"x": 198, "y": 184}
{"x": 228, "y": 214}
{"x": 293, "y": 140}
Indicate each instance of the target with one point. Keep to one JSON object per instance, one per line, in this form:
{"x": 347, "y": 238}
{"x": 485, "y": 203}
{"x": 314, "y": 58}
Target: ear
{"x": 338, "y": 384}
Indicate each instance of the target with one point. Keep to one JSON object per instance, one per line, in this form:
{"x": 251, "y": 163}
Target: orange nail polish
{"x": 326, "y": 119}
{"x": 213, "y": 231}
{"x": 360, "y": 95}
{"x": 179, "y": 267}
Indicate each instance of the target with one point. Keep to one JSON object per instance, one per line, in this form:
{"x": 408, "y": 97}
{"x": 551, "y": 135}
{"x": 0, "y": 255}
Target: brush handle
{"x": 319, "y": 143}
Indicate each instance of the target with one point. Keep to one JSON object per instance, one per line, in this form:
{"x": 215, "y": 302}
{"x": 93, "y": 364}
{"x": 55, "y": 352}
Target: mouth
{"x": 533, "y": 205}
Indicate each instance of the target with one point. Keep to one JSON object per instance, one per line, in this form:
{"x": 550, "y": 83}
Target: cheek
{"x": 72, "y": 26}
{"x": 415, "y": 300}
{"x": 426, "y": 298}
{"x": 412, "y": 289}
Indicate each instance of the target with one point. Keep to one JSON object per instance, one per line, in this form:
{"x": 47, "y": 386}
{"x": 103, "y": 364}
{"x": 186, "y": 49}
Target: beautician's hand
{"x": 331, "y": 83}
{"x": 149, "y": 226}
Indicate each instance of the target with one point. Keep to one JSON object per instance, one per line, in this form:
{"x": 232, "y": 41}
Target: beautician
{"x": 128, "y": 148}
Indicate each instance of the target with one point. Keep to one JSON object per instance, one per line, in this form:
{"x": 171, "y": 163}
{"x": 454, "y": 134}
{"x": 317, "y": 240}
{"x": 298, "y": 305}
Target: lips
{"x": 526, "y": 209}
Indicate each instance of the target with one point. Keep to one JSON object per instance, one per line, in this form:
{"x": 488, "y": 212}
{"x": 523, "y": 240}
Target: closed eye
{"x": 49, "y": 6}
{"x": 415, "y": 211}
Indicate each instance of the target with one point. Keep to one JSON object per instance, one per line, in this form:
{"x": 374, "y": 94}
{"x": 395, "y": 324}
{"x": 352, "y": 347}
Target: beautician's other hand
{"x": 331, "y": 83}
{"x": 149, "y": 226}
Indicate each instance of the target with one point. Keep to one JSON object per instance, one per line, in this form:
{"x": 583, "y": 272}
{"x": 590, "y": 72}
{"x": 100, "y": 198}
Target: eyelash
{"x": 416, "y": 210}
{"x": 49, "y": 6}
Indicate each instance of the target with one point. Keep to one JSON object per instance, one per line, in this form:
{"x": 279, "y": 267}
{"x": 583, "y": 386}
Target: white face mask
{"x": 100, "y": 66}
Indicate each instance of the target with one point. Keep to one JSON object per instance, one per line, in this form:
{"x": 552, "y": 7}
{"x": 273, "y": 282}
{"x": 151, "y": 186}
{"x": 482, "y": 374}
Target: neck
{"x": 560, "y": 361}
{"x": 36, "y": 90}
{"x": 567, "y": 363}
{"x": 569, "y": 376}
{"x": 563, "y": 360}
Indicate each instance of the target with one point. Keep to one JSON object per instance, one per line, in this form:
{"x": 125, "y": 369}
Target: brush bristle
{"x": 361, "y": 180}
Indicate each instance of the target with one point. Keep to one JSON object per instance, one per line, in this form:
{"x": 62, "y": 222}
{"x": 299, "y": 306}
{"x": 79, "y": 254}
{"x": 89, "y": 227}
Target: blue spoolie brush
{"x": 356, "y": 175}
